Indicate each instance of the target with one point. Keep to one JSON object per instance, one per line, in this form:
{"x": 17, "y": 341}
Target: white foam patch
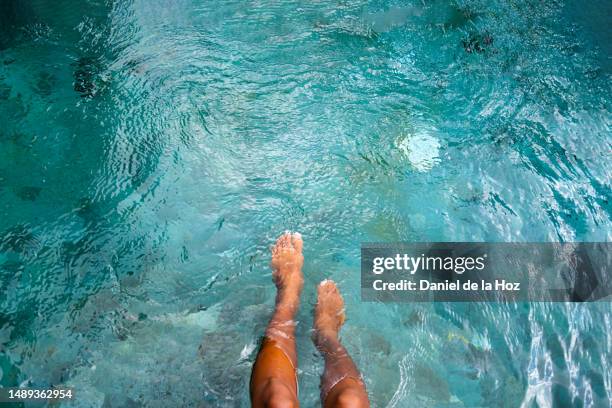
{"x": 205, "y": 319}
{"x": 247, "y": 350}
{"x": 421, "y": 149}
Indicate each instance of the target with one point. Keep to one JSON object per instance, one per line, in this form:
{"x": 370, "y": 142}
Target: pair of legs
{"x": 274, "y": 376}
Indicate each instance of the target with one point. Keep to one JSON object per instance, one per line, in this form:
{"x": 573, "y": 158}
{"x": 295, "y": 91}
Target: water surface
{"x": 151, "y": 151}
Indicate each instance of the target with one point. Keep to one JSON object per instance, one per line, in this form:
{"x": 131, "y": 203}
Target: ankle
{"x": 291, "y": 278}
{"x": 287, "y": 302}
{"x": 325, "y": 339}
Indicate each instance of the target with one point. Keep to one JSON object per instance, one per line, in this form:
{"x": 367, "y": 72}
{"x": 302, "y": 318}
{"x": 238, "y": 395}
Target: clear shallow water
{"x": 150, "y": 153}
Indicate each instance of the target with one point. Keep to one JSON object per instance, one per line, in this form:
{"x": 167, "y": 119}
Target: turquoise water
{"x": 151, "y": 151}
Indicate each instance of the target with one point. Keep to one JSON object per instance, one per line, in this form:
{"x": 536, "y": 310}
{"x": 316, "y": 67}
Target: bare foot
{"x": 329, "y": 312}
{"x": 341, "y": 383}
{"x": 274, "y": 376}
{"x": 287, "y": 261}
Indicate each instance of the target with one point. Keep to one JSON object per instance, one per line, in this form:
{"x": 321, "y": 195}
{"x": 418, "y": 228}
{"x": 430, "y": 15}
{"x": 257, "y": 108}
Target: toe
{"x": 327, "y": 286}
{"x": 297, "y": 242}
{"x": 284, "y": 241}
{"x": 321, "y": 289}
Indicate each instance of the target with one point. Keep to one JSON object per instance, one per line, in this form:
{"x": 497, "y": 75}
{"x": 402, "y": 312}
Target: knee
{"x": 278, "y": 395}
{"x": 350, "y": 399}
{"x": 281, "y": 401}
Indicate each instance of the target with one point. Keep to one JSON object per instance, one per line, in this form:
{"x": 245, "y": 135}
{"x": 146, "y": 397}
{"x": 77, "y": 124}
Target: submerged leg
{"x": 273, "y": 380}
{"x": 341, "y": 384}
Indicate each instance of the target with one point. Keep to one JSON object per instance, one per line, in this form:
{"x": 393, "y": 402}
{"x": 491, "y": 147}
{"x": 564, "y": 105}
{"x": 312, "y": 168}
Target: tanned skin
{"x": 274, "y": 379}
